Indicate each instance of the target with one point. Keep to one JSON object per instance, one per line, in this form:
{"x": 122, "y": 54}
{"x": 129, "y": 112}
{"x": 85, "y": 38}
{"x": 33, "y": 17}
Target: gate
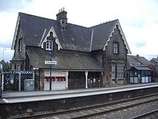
{"x": 14, "y": 81}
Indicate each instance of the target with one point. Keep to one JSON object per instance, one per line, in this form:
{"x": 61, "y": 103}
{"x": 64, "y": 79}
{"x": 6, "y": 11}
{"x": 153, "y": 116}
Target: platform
{"x": 29, "y": 96}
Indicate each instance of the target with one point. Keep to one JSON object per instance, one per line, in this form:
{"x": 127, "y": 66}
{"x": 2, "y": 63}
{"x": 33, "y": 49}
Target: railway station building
{"x": 64, "y": 55}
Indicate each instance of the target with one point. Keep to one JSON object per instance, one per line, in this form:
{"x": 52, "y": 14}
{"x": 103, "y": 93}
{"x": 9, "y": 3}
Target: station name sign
{"x": 51, "y": 62}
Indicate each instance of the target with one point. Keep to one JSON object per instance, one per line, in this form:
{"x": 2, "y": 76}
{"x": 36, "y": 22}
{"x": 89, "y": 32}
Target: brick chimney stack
{"x": 62, "y": 18}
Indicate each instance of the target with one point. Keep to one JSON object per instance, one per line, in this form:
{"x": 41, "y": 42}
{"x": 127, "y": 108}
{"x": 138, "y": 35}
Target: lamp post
{"x": 50, "y": 85}
{"x": 3, "y": 54}
{"x": 51, "y": 38}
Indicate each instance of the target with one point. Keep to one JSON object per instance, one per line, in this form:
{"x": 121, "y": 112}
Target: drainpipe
{"x": 86, "y": 74}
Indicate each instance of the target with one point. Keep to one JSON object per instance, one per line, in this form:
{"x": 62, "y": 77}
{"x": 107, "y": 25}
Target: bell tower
{"x": 62, "y": 18}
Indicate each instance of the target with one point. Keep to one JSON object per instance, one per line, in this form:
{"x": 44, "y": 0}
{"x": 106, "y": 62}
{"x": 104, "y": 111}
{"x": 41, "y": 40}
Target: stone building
{"x": 69, "y": 56}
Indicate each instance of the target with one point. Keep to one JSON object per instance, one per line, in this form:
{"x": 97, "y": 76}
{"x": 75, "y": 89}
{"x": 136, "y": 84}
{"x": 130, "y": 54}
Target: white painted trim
{"x": 42, "y": 37}
{"x": 54, "y": 34}
{"x": 86, "y": 74}
{"x": 123, "y": 37}
{"x": 66, "y": 83}
{"x": 57, "y": 40}
{"x": 109, "y": 38}
{"x": 91, "y": 39}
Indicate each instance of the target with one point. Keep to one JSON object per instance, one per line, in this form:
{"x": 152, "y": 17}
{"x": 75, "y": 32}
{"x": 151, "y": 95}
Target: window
{"x": 113, "y": 71}
{"x": 18, "y": 67}
{"x": 120, "y": 71}
{"x": 117, "y": 71}
{"x": 20, "y": 45}
{"x": 49, "y": 45}
{"x": 115, "y": 47}
{"x": 13, "y": 67}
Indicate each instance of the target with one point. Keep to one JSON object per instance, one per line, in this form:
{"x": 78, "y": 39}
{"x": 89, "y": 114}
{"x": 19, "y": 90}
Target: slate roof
{"x": 75, "y": 37}
{"x": 142, "y": 68}
{"x": 65, "y": 60}
{"x": 155, "y": 60}
{"x": 144, "y": 61}
{"x": 101, "y": 34}
{"x": 133, "y": 60}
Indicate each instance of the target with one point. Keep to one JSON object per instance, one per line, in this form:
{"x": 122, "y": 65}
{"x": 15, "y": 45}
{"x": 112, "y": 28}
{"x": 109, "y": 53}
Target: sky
{"x": 138, "y": 19}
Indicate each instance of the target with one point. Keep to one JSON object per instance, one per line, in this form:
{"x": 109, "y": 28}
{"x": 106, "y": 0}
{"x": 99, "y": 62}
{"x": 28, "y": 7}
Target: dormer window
{"x": 50, "y": 43}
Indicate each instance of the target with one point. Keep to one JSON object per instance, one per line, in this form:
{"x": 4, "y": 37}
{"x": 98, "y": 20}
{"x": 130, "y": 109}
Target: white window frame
{"x": 113, "y": 71}
{"x": 116, "y": 48}
{"x": 120, "y": 71}
{"x": 49, "y": 45}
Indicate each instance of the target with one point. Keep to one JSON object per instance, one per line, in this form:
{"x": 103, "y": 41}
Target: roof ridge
{"x": 22, "y": 13}
{"x": 104, "y": 23}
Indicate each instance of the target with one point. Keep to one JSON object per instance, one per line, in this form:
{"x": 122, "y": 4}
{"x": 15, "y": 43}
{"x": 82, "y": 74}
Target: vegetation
{"x": 5, "y": 65}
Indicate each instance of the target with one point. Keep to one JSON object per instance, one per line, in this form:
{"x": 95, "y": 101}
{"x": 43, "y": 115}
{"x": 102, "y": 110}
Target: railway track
{"x": 152, "y": 115}
{"x": 95, "y": 110}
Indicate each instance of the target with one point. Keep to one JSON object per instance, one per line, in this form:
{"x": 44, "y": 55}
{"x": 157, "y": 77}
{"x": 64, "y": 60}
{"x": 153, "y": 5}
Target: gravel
{"x": 131, "y": 112}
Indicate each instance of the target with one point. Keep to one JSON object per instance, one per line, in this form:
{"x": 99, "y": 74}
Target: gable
{"x": 103, "y": 32}
{"x": 118, "y": 26}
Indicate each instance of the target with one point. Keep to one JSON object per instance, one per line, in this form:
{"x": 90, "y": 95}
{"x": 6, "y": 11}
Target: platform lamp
{"x": 51, "y": 38}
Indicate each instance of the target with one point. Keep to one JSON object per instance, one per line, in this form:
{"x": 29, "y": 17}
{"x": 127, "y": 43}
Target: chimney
{"x": 62, "y": 18}
{"x": 137, "y": 58}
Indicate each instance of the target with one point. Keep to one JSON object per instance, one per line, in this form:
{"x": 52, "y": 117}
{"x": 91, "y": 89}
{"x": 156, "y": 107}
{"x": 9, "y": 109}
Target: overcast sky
{"x": 138, "y": 18}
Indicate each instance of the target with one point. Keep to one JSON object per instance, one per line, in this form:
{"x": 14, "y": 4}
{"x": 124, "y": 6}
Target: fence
{"x": 14, "y": 81}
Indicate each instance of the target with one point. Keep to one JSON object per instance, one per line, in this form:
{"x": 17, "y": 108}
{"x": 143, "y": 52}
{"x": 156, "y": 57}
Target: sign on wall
{"x": 51, "y": 62}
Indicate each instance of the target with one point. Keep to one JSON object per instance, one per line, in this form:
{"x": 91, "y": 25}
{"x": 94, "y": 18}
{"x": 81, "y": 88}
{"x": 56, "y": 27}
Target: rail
{"x": 91, "y": 111}
{"x": 148, "y": 114}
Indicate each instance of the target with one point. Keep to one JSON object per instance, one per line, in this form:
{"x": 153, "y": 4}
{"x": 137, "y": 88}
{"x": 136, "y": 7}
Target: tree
{"x": 6, "y": 66}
